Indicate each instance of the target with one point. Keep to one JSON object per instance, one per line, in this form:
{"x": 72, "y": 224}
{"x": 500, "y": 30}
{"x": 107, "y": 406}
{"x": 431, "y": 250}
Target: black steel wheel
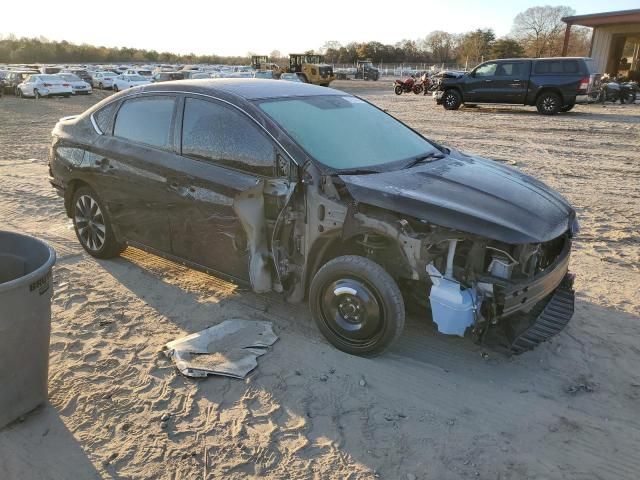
{"x": 549, "y": 103}
{"x": 451, "y": 100}
{"x": 356, "y": 305}
{"x": 92, "y": 225}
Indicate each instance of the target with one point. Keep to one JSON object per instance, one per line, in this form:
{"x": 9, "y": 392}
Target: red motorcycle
{"x": 409, "y": 85}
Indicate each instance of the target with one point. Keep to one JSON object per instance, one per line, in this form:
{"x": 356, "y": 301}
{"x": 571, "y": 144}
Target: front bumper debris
{"x": 548, "y": 318}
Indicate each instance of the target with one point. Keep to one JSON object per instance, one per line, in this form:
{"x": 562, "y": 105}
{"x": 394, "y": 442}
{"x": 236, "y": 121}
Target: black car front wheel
{"x": 92, "y": 225}
{"x": 356, "y": 305}
{"x": 549, "y": 103}
{"x": 451, "y": 100}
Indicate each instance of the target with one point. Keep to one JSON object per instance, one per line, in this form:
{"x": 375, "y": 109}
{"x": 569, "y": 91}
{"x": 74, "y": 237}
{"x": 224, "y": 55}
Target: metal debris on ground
{"x": 230, "y": 348}
{"x": 580, "y": 388}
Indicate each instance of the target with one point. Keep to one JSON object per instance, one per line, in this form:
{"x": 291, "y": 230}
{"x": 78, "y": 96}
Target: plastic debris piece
{"x": 230, "y": 349}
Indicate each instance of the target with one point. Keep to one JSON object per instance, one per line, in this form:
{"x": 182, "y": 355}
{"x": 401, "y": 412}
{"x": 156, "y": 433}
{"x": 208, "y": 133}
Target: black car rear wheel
{"x": 451, "y": 100}
{"x": 356, "y": 305}
{"x": 92, "y": 225}
{"x": 549, "y": 103}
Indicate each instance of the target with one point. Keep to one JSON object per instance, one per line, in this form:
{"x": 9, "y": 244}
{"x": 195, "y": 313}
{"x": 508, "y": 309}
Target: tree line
{"x": 536, "y": 32}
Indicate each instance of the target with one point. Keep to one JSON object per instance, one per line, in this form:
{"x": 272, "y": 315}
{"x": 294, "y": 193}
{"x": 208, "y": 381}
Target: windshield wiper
{"x": 357, "y": 171}
{"x": 424, "y": 158}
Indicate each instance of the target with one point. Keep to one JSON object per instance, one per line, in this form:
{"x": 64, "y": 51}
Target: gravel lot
{"x": 432, "y": 408}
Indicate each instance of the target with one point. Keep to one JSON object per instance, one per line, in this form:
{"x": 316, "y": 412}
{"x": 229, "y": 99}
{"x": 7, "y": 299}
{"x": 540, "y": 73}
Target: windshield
{"x": 48, "y": 78}
{"x": 70, "y": 77}
{"x": 346, "y": 133}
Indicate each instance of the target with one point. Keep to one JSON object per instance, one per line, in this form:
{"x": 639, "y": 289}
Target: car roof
{"x": 538, "y": 59}
{"x": 247, "y": 88}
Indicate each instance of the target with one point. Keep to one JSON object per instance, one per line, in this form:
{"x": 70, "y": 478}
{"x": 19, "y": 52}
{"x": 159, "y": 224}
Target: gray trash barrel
{"x": 25, "y": 323}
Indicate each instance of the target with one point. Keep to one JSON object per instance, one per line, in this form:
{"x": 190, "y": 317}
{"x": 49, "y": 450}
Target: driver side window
{"x": 486, "y": 70}
{"x": 224, "y": 136}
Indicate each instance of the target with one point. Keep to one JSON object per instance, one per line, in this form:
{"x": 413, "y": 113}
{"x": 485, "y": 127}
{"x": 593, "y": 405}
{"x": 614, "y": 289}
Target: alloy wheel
{"x": 90, "y": 223}
{"x": 549, "y": 104}
{"x": 450, "y": 99}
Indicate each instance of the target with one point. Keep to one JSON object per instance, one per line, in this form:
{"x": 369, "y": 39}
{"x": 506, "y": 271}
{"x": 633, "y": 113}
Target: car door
{"x": 479, "y": 84}
{"x": 130, "y": 168}
{"x": 511, "y": 81}
{"x": 28, "y": 85}
{"x": 226, "y": 161}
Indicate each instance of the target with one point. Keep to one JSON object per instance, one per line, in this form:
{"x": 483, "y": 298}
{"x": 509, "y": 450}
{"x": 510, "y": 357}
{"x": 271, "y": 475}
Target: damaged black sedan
{"x": 319, "y": 195}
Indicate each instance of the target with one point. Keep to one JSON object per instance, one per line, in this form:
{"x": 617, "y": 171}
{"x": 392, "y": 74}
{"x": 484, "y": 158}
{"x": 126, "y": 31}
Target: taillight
{"x": 65, "y": 84}
{"x": 584, "y": 85}
{"x": 47, "y": 84}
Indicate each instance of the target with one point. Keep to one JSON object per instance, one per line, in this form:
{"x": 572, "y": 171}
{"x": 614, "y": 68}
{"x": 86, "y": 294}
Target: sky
{"x": 238, "y": 27}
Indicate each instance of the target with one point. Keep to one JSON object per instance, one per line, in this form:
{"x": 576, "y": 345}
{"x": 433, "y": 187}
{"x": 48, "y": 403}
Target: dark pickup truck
{"x": 551, "y": 84}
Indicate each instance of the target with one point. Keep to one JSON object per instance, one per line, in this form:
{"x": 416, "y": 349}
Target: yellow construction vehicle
{"x": 261, "y": 63}
{"x": 311, "y": 68}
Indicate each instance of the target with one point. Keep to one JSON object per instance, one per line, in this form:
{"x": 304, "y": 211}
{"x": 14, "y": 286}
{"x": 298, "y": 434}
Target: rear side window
{"x": 146, "y": 120}
{"x": 556, "y": 67}
{"x": 222, "y": 135}
{"x": 103, "y": 116}
{"x": 509, "y": 69}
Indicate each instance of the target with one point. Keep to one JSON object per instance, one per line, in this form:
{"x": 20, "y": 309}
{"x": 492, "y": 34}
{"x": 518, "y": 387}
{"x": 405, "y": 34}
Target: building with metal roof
{"x": 615, "y": 42}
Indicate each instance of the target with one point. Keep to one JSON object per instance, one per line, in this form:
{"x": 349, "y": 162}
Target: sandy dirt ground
{"x": 431, "y": 408}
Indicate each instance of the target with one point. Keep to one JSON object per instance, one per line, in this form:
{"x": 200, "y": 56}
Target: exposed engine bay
{"x": 471, "y": 282}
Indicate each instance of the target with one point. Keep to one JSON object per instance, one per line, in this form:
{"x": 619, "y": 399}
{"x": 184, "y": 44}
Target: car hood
{"x": 469, "y": 194}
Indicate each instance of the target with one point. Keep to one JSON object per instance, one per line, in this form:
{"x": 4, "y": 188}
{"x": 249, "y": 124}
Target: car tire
{"x": 451, "y": 100}
{"x": 549, "y": 103}
{"x": 36, "y": 94}
{"x": 566, "y": 108}
{"x": 368, "y": 313}
{"x": 115, "y": 87}
{"x": 93, "y": 226}
{"x": 19, "y": 93}
{"x": 100, "y": 86}
{"x": 398, "y": 90}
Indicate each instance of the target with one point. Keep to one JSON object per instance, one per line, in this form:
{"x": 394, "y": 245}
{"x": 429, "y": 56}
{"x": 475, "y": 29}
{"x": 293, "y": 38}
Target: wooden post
{"x": 565, "y": 45}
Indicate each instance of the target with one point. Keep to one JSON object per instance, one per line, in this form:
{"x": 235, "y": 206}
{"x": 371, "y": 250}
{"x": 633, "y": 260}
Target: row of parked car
{"x": 57, "y": 81}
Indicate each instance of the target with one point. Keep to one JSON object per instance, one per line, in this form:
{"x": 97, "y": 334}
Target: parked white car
{"x": 37, "y": 86}
{"x": 78, "y": 85}
{"x": 103, "y": 80}
{"x": 122, "y": 82}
